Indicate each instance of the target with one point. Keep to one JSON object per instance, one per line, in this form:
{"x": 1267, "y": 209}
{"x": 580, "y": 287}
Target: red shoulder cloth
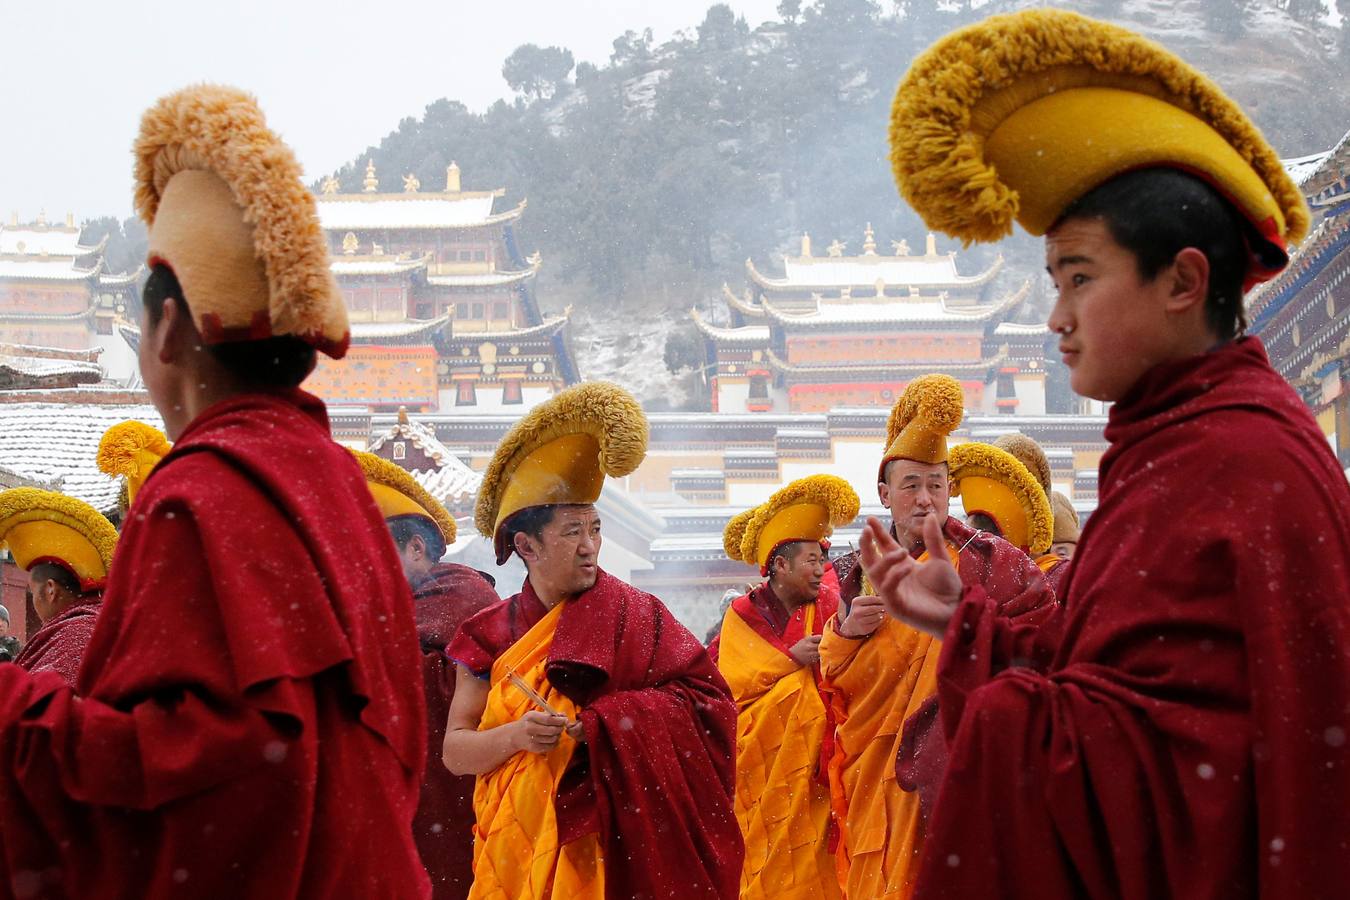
{"x": 59, "y": 645}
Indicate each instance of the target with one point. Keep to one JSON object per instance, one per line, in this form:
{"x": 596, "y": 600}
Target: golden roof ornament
{"x": 869, "y": 242}
{"x": 931, "y": 248}
{"x": 349, "y": 244}
{"x": 901, "y": 247}
{"x": 42, "y": 218}
{"x": 836, "y": 248}
{"x": 452, "y": 178}
{"x": 410, "y": 184}
{"x": 329, "y": 186}
{"x": 806, "y": 245}
{"x": 371, "y": 184}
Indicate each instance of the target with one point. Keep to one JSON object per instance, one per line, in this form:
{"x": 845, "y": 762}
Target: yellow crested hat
{"x": 1018, "y": 116}
{"x": 808, "y": 509}
{"x": 46, "y": 527}
{"x": 397, "y": 493}
{"x": 930, "y": 408}
{"x": 229, "y": 214}
{"x": 1066, "y": 519}
{"x": 560, "y": 453}
{"x": 131, "y": 450}
{"x": 991, "y": 481}
{"x": 1029, "y": 454}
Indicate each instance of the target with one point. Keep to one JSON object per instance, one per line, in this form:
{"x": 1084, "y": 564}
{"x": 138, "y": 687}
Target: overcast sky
{"x": 333, "y": 76}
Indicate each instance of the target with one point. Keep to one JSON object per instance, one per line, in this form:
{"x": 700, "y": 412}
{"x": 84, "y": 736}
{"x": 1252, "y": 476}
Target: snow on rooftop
{"x": 49, "y": 441}
{"x": 52, "y": 268}
{"x": 827, "y": 272}
{"x": 31, "y": 241}
{"x": 352, "y": 213}
{"x": 352, "y": 267}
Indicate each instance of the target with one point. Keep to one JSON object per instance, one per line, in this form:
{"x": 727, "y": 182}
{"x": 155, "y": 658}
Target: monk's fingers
{"x": 932, "y": 532}
{"x": 813, "y": 640}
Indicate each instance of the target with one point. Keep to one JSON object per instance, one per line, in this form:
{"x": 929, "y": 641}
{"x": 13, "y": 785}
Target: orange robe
{"x": 875, "y": 685}
{"x": 782, "y": 803}
{"x": 517, "y": 851}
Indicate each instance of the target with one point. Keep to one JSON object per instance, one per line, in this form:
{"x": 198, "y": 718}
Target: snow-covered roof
{"x": 33, "y": 368}
{"x": 373, "y": 331}
{"x": 46, "y": 268}
{"x": 383, "y": 266}
{"x": 50, "y": 241}
{"x": 749, "y": 334}
{"x": 356, "y": 212}
{"x": 1007, "y": 329}
{"x": 50, "y": 441}
{"x": 867, "y": 311}
{"x": 825, "y": 272}
{"x": 451, "y": 480}
{"x": 1303, "y": 167}
{"x": 482, "y": 279}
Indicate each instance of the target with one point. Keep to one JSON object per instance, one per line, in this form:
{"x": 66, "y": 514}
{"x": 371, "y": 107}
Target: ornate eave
{"x": 546, "y": 329}
{"x": 960, "y": 283}
{"x": 883, "y": 369}
{"x": 410, "y": 331}
{"x": 862, "y": 311}
{"x": 353, "y": 266}
{"x": 483, "y": 279}
{"x": 745, "y": 308}
{"x": 750, "y": 334}
{"x": 57, "y": 269}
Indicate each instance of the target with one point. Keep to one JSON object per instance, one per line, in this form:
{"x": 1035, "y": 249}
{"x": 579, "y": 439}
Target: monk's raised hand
{"x": 538, "y": 732}
{"x": 922, "y": 595}
{"x": 865, "y": 614}
{"x": 807, "y": 651}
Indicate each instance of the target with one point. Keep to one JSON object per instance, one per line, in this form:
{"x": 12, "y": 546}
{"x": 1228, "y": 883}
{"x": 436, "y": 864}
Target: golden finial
{"x": 806, "y": 245}
{"x": 410, "y": 184}
{"x": 70, "y": 220}
{"x": 901, "y": 248}
{"x": 535, "y": 259}
{"x": 836, "y": 248}
{"x": 452, "y": 178}
{"x": 403, "y": 415}
{"x": 869, "y": 242}
{"x": 371, "y": 183}
{"x": 349, "y": 244}
{"x": 931, "y": 249}
{"x": 330, "y": 186}
{"x": 42, "y": 218}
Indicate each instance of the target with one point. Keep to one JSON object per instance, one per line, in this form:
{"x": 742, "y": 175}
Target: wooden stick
{"x": 531, "y": 693}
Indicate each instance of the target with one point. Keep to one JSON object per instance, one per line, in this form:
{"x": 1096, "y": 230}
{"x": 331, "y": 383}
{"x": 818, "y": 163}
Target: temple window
{"x": 499, "y": 310}
{"x": 466, "y": 395}
{"x": 759, "y": 387}
{"x": 511, "y": 392}
{"x": 461, "y": 310}
{"x": 478, "y": 311}
{"x": 480, "y": 256}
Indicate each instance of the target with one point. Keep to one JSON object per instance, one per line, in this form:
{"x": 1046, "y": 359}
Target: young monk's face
{"x": 1113, "y": 325}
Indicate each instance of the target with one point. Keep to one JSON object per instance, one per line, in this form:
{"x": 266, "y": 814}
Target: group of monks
{"x": 267, "y": 685}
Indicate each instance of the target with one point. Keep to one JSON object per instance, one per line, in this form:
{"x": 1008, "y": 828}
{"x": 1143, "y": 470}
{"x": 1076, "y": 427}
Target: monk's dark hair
{"x": 275, "y": 362}
{"x": 64, "y": 578}
{"x": 531, "y": 520}
{"x": 788, "y": 552}
{"x": 984, "y": 522}
{"x": 405, "y": 528}
{"x": 1157, "y": 213}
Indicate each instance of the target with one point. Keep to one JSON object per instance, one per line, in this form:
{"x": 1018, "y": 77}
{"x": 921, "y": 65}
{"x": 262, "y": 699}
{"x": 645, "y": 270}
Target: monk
{"x": 244, "y": 726}
{"x": 1054, "y": 561}
{"x": 66, "y": 546}
{"x": 68, "y": 615}
{"x": 601, "y": 733}
{"x": 1178, "y": 727}
{"x": 880, "y": 672}
{"x": 445, "y": 595}
{"x": 770, "y": 655}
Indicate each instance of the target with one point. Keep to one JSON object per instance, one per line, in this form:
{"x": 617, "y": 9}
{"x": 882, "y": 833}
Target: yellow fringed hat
{"x": 131, "y": 450}
{"x": 930, "y": 408}
{"x": 1029, "y": 454}
{"x": 45, "y": 527}
{"x": 1066, "y": 519}
{"x": 991, "y": 481}
{"x": 397, "y": 493}
{"x": 808, "y": 509}
{"x": 560, "y": 453}
{"x": 1018, "y": 116}
{"x": 229, "y": 214}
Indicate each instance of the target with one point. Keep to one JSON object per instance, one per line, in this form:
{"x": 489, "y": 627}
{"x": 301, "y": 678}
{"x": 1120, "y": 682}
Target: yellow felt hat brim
{"x": 42, "y": 541}
{"x": 980, "y": 494}
{"x": 1056, "y": 149}
{"x": 799, "y": 522}
{"x": 391, "y": 503}
{"x": 200, "y": 233}
{"x": 566, "y": 470}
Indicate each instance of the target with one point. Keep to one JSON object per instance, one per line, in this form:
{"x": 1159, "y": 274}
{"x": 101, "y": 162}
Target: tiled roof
{"x": 50, "y": 441}
{"x": 51, "y": 241}
{"x": 355, "y": 212}
{"x": 452, "y": 480}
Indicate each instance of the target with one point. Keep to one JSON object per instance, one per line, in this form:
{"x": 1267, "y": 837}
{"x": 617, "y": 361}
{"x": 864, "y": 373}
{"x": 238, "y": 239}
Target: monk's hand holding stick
{"x": 807, "y": 651}
{"x": 865, "y": 614}
{"x": 923, "y": 595}
{"x": 538, "y": 731}
{"x": 576, "y": 731}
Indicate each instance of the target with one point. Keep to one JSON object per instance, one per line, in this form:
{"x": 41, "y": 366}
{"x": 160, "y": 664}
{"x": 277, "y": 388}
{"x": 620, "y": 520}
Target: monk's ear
{"x": 525, "y": 547}
{"x": 884, "y": 494}
{"x": 417, "y": 545}
{"x": 1188, "y": 285}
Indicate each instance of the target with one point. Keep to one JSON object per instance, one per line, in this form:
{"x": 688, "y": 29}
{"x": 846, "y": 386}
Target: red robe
{"x": 1179, "y": 728}
{"x": 246, "y": 724}
{"x": 59, "y": 645}
{"x": 658, "y": 772}
{"x": 443, "y": 826}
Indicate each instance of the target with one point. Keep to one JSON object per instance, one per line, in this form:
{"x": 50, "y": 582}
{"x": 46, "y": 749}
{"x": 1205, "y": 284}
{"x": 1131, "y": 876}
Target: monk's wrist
{"x": 839, "y": 630}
